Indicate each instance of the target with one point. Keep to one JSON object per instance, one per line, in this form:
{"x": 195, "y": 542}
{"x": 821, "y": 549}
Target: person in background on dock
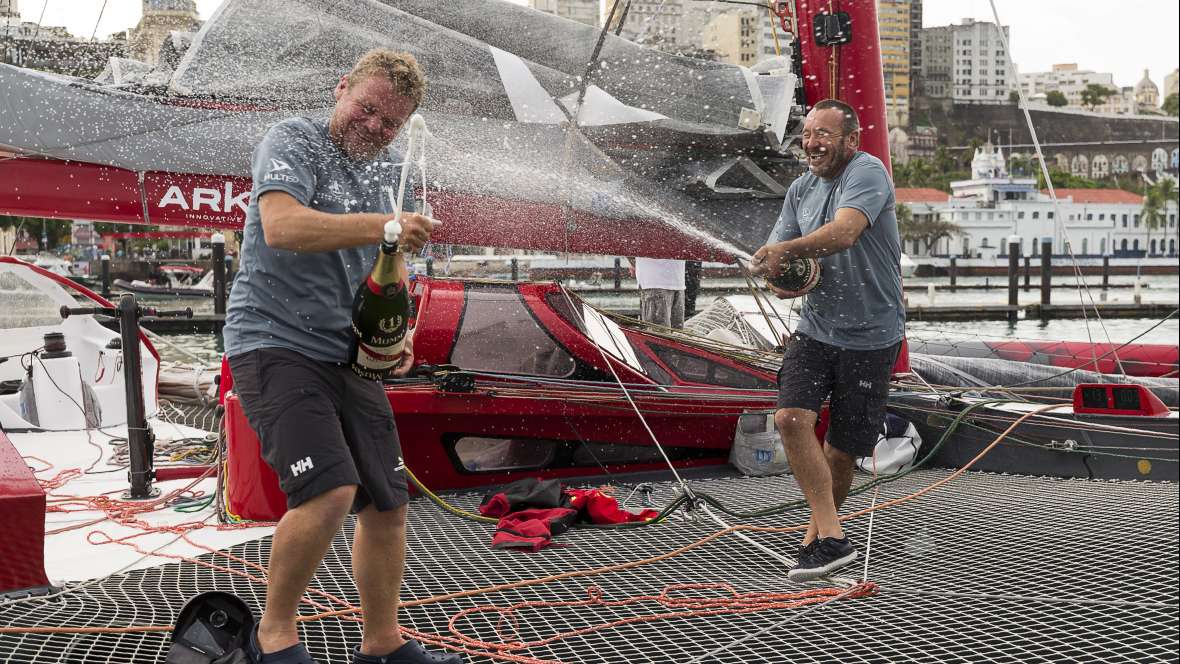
{"x": 321, "y": 200}
{"x": 661, "y": 291}
{"x": 850, "y": 328}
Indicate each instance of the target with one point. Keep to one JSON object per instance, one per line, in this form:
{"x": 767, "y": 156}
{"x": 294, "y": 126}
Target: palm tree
{"x": 1166, "y": 187}
{"x": 1155, "y": 206}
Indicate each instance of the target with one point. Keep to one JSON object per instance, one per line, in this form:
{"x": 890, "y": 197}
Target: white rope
{"x": 642, "y": 420}
{"x": 785, "y": 560}
{"x": 872, "y": 515}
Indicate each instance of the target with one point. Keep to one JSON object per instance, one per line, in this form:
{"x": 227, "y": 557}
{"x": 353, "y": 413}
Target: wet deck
{"x": 993, "y": 568}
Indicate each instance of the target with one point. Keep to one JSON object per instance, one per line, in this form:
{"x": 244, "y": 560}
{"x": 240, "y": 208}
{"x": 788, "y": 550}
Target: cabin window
{"x": 482, "y": 454}
{"x": 696, "y": 369}
{"x": 498, "y": 333}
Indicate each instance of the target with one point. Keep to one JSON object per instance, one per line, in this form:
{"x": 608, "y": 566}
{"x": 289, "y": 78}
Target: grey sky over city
{"x": 1123, "y": 38}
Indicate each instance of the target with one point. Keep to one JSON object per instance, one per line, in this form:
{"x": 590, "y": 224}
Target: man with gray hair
{"x": 319, "y": 207}
{"x": 851, "y": 325}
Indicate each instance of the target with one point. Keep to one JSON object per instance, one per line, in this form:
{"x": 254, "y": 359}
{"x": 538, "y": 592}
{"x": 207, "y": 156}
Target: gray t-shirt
{"x": 857, "y": 304}
{"x": 302, "y": 301}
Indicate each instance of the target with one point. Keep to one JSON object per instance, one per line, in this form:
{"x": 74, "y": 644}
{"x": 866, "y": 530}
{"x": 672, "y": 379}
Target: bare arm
{"x": 831, "y": 238}
{"x": 288, "y": 224}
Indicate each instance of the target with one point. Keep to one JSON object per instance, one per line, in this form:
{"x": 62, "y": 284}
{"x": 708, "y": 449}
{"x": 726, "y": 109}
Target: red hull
{"x": 564, "y": 429}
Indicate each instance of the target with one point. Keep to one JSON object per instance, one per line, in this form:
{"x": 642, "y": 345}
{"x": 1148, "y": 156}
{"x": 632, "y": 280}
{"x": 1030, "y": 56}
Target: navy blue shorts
{"x": 856, "y": 380}
{"x": 320, "y": 427}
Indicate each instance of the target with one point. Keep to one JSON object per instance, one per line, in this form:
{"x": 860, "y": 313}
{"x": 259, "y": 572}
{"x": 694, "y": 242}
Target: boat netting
{"x": 990, "y": 568}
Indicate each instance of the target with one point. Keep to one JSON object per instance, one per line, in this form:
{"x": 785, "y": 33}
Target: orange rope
{"x": 742, "y": 603}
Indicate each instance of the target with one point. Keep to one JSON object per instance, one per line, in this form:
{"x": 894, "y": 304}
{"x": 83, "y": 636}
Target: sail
{"x": 658, "y": 155}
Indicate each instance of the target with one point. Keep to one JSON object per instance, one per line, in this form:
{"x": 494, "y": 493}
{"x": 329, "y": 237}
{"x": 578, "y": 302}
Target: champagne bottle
{"x": 380, "y": 311}
{"x": 798, "y": 277}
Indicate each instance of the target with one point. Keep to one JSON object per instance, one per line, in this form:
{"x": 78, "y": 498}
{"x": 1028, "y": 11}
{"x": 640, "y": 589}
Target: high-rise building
{"x": 160, "y": 18}
{"x": 915, "y": 48}
{"x": 979, "y": 63}
{"x": 9, "y": 17}
{"x": 893, "y": 19}
{"x": 582, "y": 11}
{"x": 735, "y": 36}
{"x": 699, "y": 13}
{"x": 654, "y": 22}
{"x": 936, "y": 62}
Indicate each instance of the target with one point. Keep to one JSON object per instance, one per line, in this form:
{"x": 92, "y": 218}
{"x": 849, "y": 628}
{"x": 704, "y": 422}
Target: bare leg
{"x": 300, "y": 542}
{"x": 796, "y": 426}
{"x": 841, "y": 465}
{"x": 378, "y": 560}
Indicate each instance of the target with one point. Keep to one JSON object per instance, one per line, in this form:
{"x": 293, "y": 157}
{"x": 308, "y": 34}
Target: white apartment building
{"x": 979, "y": 64}
{"x": 582, "y": 11}
{"x": 1070, "y": 81}
{"x": 992, "y": 206}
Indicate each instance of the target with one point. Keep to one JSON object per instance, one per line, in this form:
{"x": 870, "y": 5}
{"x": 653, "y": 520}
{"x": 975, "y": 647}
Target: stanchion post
{"x": 217, "y": 242}
{"x": 954, "y": 271}
{"x": 1013, "y": 277}
{"x": 105, "y": 270}
{"x": 1046, "y": 275}
{"x": 618, "y": 273}
{"x": 515, "y": 270}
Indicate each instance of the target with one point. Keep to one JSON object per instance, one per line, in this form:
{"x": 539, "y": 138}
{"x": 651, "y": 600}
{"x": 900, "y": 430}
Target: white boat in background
{"x": 178, "y": 280}
{"x": 63, "y": 409}
{"x": 908, "y": 267}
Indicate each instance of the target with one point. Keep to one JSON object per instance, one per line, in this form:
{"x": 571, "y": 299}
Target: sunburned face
{"x": 368, "y": 116}
{"x": 827, "y": 148}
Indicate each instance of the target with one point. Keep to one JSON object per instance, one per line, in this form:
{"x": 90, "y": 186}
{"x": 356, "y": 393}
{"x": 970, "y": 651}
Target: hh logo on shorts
{"x": 301, "y": 466}
{"x": 868, "y": 385}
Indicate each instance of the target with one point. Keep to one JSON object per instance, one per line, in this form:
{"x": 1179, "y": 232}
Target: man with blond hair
{"x": 320, "y": 203}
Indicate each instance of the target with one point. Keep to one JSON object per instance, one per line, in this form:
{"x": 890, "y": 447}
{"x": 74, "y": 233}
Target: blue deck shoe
{"x": 411, "y": 652}
{"x": 821, "y": 558}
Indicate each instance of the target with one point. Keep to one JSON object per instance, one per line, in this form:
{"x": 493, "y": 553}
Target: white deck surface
{"x": 73, "y": 555}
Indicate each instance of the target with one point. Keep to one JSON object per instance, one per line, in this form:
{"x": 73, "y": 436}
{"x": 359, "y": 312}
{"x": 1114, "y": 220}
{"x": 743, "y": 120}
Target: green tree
{"x": 1172, "y": 104}
{"x": 1056, "y": 98}
{"x": 1096, "y": 95}
{"x": 1154, "y": 212}
{"x": 927, "y": 229}
{"x": 1165, "y": 189}
{"x": 1014, "y": 97}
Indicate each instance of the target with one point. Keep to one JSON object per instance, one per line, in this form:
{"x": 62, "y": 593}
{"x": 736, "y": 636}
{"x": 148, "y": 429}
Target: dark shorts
{"x": 321, "y": 426}
{"x": 856, "y": 380}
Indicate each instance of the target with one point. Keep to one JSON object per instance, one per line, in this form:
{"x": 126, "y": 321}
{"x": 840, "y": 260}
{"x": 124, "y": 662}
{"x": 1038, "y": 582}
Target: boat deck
{"x": 988, "y": 568}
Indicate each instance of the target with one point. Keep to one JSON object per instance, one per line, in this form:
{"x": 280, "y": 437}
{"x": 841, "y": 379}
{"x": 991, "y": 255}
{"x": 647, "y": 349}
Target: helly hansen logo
{"x": 868, "y": 385}
{"x": 301, "y": 466}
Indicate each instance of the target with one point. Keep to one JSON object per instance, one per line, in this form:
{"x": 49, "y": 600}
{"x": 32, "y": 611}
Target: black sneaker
{"x": 821, "y": 558}
{"x": 804, "y": 551}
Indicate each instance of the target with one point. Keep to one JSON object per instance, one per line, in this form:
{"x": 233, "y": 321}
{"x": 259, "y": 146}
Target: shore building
{"x": 994, "y": 205}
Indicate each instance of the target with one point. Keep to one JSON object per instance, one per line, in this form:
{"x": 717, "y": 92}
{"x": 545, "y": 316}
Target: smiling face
{"x": 827, "y": 146}
{"x": 368, "y": 116}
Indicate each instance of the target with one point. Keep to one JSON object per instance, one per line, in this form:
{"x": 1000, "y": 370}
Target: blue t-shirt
{"x": 857, "y": 304}
{"x": 302, "y": 301}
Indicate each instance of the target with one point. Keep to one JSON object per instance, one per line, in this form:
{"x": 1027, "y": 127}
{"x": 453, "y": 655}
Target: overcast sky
{"x": 1122, "y": 37}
